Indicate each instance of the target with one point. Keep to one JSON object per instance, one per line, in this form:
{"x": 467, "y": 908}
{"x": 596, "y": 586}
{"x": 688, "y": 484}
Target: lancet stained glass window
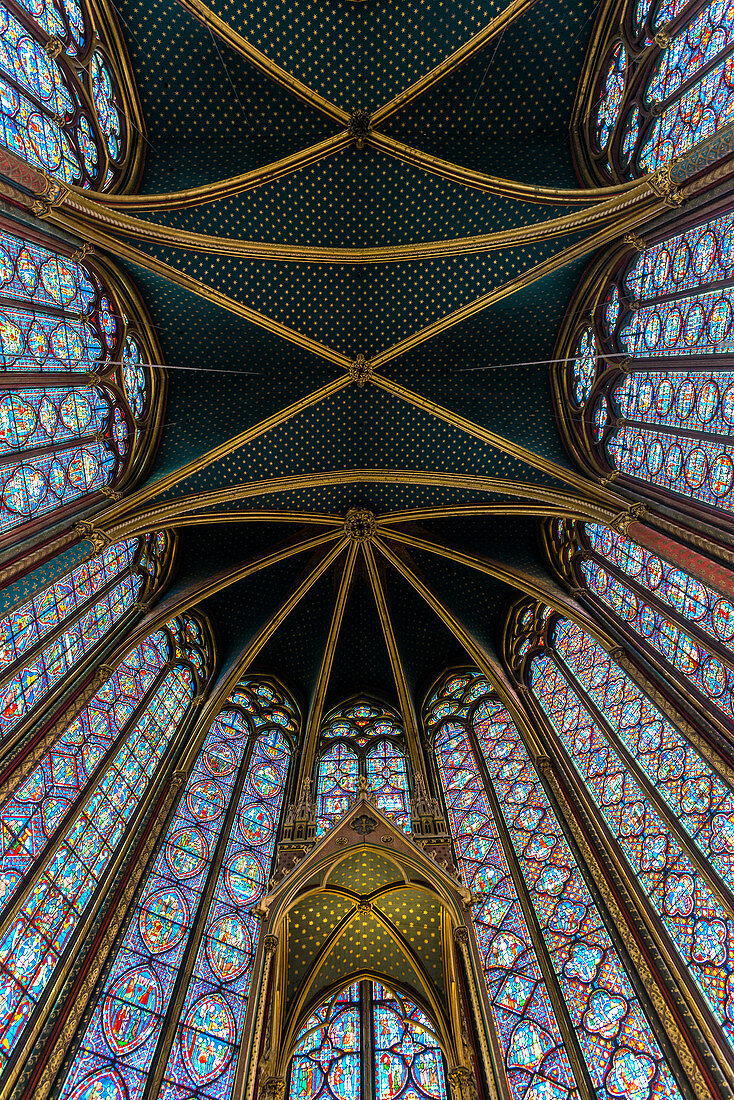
{"x": 61, "y": 444}
{"x": 332, "y": 1051}
{"x": 46, "y": 637}
{"x": 221, "y": 836}
{"x": 665, "y": 610}
{"x": 62, "y": 108}
{"x": 64, "y": 825}
{"x": 679, "y": 92}
{"x": 659, "y": 798}
{"x": 643, "y": 386}
{"x": 363, "y": 739}
{"x": 615, "y": 1038}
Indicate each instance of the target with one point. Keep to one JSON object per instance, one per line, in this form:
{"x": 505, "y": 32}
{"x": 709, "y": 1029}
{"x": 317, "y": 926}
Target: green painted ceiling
{"x": 210, "y": 115}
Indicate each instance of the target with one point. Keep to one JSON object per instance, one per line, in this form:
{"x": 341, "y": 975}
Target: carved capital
{"x": 178, "y": 779}
{"x": 85, "y": 250}
{"x": 107, "y": 492}
{"x": 272, "y": 1088}
{"x": 270, "y": 945}
{"x": 461, "y": 935}
{"x": 635, "y": 241}
{"x": 103, "y": 673}
{"x": 97, "y": 538}
{"x": 662, "y": 184}
{"x": 621, "y": 522}
{"x": 463, "y": 1083}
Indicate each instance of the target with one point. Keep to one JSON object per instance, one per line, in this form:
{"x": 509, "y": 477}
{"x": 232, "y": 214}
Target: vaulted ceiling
{"x": 210, "y": 115}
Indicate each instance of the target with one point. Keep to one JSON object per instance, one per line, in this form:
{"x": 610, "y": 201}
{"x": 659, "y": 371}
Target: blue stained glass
{"x": 696, "y": 46}
{"x": 699, "y": 255}
{"x": 120, "y": 1040}
{"x": 704, "y": 606}
{"x": 700, "y": 325}
{"x": 697, "y": 468}
{"x": 583, "y": 369}
{"x": 83, "y": 429}
{"x": 105, "y": 100}
{"x": 388, "y": 779}
{"x": 359, "y": 752}
{"x": 613, "y": 1032}
{"x": 54, "y": 21}
{"x": 203, "y": 1058}
{"x": 696, "y": 400}
{"x": 535, "y": 1060}
{"x": 407, "y": 1055}
{"x": 331, "y": 1049}
{"x": 336, "y": 786}
{"x": 697, "y": 114}
{"x": 611, "y": 95}
{"x": 47, "y": 919}
{"x": 327, "y": 1060}
{"x": 698, "y": 924}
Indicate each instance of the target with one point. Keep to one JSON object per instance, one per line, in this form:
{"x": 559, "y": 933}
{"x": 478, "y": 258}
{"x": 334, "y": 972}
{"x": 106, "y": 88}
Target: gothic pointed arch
{"x": 552, "y": 973}
{"x": 66, "y": 824}
{"x": 362, "y": 739}
{"x": 661, "y": 792}
{"x": 195, "y": 922}
{"x": 68, "y": 102}
{"x": 368, "y": 1040}
{"x": 644, "y": 389}
{"x": 80, "y": 403}
{"x": 657, "y": 84}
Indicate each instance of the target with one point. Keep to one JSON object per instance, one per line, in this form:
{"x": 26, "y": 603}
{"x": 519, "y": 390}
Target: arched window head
{"x": 678, "y": 623}
{"x": 665, "y": 804}
{"x": 658, "y": 81}
{"x": 362, "y": 739}
{"x": 365, "y": 1025}
{"x": 559, "y": 983}
{"x": 76, "y": 811}
{"x": 79, "y": 407}
{"x": 216, "y": 853}
{"x": 58, "y": 632}
{"x": 645, "y": 392}
{"x": 68, "y": 104}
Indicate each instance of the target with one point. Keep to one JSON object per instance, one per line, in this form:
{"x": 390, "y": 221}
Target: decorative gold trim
{"x": 262, "y": 63}
{"x": 317, "y": 706}
{"x": 401, "y": 684}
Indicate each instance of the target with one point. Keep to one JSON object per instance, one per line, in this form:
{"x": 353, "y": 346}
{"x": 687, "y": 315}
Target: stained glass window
{"x": 659, "y": 798}
{"x": 680, "y": 92}
{"x": 61, "y": 107}
{"x": 666, "y": 418}
{"x": 665, "y": 610}
{"x": 333, "y": 1053}
{"x": 615, "y": 1038}
{"x": 367, "y": 740}
{"x": 60, "y": 444}
{"x": 62, "y": 828}
{"x": 46, "y": 637}
{"x": 218, "y": 845}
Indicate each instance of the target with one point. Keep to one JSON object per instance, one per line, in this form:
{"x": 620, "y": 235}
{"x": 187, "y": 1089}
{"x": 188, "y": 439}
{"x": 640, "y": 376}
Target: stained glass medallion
{"x": 657, "y": 796}
{"x": 362, "y": 739}
{"x": 219, "y": 843}
{"x": 60, "y": 444}
{"x": 61, "y": 110}
{"x": 332, "y": 1050}
{"x": 666, "y": 418}
{"x": 64, "y": 825}
{"x": 41, "y": 641}
{"x": 638, "y": 117}
{"x": 614, "y": 1036}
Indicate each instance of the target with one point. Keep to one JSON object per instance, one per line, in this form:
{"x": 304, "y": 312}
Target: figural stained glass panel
{"x": 129, "y": 726}
{"x": 679, "y": 91}
{"x": 363, "y": 739}
{"x": 666, "y": 420}
{"x": 615, "y": 1037}
{"x": 332, "y": 1052}
{"x": 59, "y": 444}
{"x": 46, "y": 637}
{"x": 696, "y": 921}
{"x": 60, "y": 109}
{"x": 242, "y": 752}
{"x": 533, "y": 1050}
